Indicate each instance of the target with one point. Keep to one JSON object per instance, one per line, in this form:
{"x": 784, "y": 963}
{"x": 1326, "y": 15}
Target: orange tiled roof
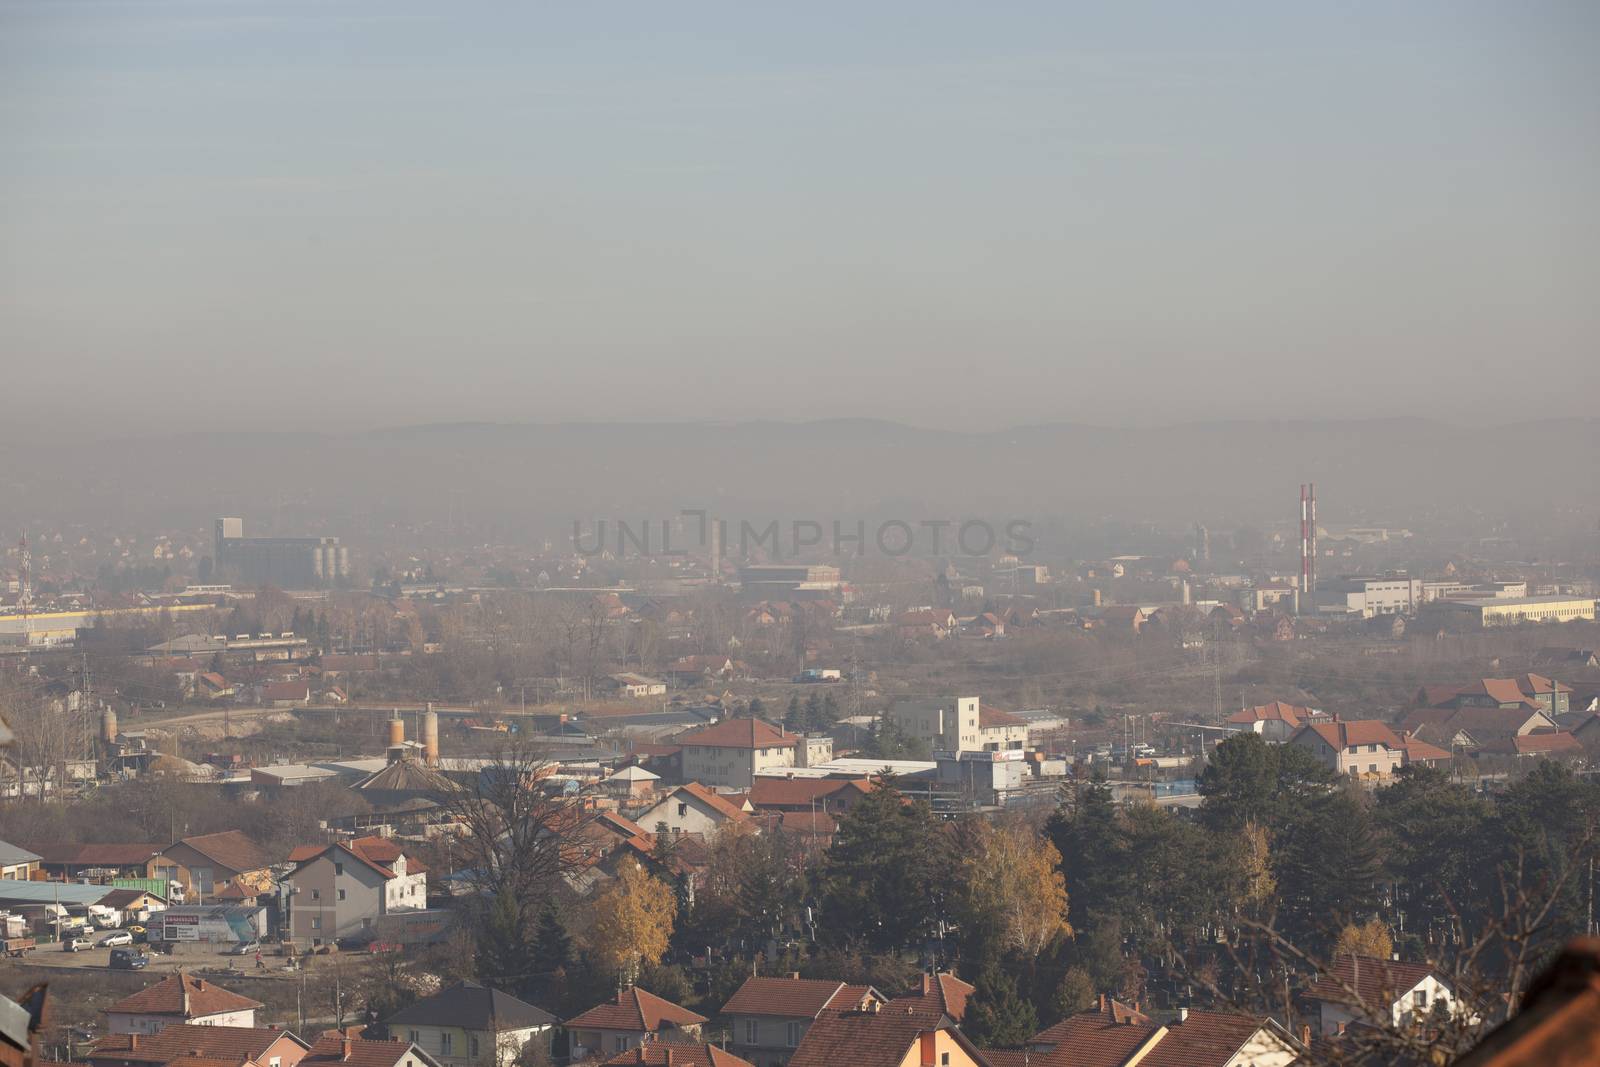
{"x": 183, "y": 996}
{"x": 665, "y": 1054}
{"x": 635, "y": 1009}
{"x": 1344, "y": 733}
{"x": 737, "y": 733}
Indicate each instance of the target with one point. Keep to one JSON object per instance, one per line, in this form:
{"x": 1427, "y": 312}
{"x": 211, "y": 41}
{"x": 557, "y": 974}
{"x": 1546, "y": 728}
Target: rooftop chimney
{"x": 1183, "y": 1014}
{"x": 346, "y": 1047}
{"x": 1305, "y": 1035}
{"x": 133, "y": 1041}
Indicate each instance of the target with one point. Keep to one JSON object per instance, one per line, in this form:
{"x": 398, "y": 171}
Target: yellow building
{"x": 1488, "y": 614}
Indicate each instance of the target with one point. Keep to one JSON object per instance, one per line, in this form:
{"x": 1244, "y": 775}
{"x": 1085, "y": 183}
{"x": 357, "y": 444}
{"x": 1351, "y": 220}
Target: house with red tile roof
{"x": 769, "y": 1017}
{"x": 1362, "y": 990}
{"x": 348, "y": 1048}
{"x": 1553, "y": 696}
{"x": 923, "y": 623}
{"x": 807, "y": 794}
{"x": 205, "y": 863}
{"x": 943, "y": 992}
{"x": 1420, "y": 753}
{"x": 693, "y": 809}
{"x": 192, "y": 1045}
{"x": 1558, "y": 745}
{"x": 1113, "y": 1034}
{"x": 664, "y": 1054}
{"x": 879, "y": 1035}
{"x": 634, "y": 1018}
{"x": 696, "y": 670}
{"x": 286, "y": 694}
{"x": 1471, "y": 727}
{"x": 730, "y": 753}
{"x": 1504, "y": 693}
{"x": 342, "y": 889}
{"x": 1276, "y": 721}
{"x": 181, "y": 998}
{"x": 1360, "y": 748}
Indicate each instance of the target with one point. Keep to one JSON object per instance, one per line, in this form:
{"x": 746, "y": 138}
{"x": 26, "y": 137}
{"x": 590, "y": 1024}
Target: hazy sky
{"x": 326, "y": 212}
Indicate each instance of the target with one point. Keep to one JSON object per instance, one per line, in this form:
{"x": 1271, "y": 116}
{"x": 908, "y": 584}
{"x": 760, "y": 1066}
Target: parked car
{"x": 139, "y": 933}
{"x": 121, "y": 937}
{"x": 127, "y": 959}
{"x": 77, "y": 944}
{"x": 244, "y": 948}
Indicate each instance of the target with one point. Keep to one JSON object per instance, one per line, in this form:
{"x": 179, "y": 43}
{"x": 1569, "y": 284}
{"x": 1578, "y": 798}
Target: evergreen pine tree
{"x": 998, "y": 1016}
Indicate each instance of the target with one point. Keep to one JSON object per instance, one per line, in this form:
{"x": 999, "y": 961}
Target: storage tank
{"x": 397, "y": 731}
{"x": 430, "y": 737}
{"x": 108, "y": 725}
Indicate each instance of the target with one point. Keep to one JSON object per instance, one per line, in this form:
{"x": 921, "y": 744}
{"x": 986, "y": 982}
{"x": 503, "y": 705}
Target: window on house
{"x": 316, "y": 894}
{"x": 1420, "y": 998}
{"x": 683, "y": 809}
{"x": 341, "y": 894}
{"x": 1373, "y": 767}
{"x": 791, "y": 1034}
{"x": 275, "y": 1061}
{"x": 944, "y": 1059}
{"x": 338, "y": 870}
{"x": 619, "y": 1044}
{"x": 316, "y": 923}
{"x": 751, "y": 1031}
{"x": 472, "y": 1045}
{"x": 445, "y": 1041}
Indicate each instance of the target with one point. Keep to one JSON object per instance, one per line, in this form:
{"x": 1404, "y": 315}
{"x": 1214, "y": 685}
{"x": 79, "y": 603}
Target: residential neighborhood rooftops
{"x": 635, "y": 1009}
{"x": 873, "y": 1038}
{"x": 1345, "y": 733}
{"x": 229, "y": 848}
{"x": 183, "y": 996}
{"x": 723, "y": 806}
{"x": 1545, "y": 744}
{"x": 766, "y": 792}
{"x": 95, "y": 855}
{"x": 672, "y": 1054}
{"x": 473, "y": 1007}
{"x": 942, "y": 992}
{"x": 350, "y": 1048}
{"x": 737, "y": 733}
{"x": 1372, "y": 981}
{"x": 232, "y": 1044}
{"x": 1293, "y": 714}
{"x": 793, "y": 998}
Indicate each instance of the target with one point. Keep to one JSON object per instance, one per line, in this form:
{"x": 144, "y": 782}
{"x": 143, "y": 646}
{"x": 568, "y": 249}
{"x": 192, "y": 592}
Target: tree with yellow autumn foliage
{"x": 1371, "y": 938}
{"x": 1012, "y": 888}
{"x": 632, "y": 923}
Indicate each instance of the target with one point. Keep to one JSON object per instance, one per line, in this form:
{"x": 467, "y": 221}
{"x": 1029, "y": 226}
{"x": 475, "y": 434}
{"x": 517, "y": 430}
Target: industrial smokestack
{"x": 108, "y": 725}
{"x": 430, "y": 737}
{"x": 397, "y": 731}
